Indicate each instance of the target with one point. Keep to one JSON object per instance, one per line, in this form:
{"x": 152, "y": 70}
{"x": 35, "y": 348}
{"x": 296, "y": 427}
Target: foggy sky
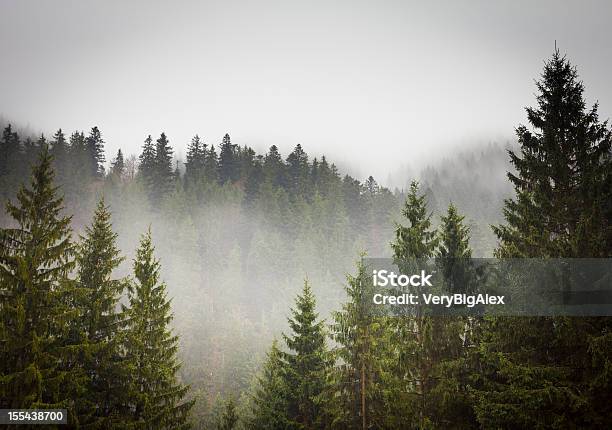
{"x": 372, "y": 84}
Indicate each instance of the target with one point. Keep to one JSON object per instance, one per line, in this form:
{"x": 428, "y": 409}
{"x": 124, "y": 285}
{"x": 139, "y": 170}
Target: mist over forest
{"x": 236, "y": 244}
{"x": 141, "y": 288}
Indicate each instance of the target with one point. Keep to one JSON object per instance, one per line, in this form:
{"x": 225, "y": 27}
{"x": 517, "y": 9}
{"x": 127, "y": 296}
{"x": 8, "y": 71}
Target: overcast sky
{"x": 373, "y": 83}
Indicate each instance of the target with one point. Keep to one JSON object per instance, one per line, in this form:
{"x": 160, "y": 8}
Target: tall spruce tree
{"x": 540, "y": 372}
{"x": 452, "y": 349}
{"x": 355, "y": 397}
{"x": 419, "y": 336}
{"x": 36, "y": 258}
{"x": 306, "y": 362}
{"x": 156, "y": 397}
{"x": 100, "y": 324}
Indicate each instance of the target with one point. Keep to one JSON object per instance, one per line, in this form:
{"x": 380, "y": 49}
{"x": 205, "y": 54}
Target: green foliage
{"x": 36, "y": 259}
{"x": 229, "y": 417}
{"x": 355, "y": 397}
{"x": 156, "y": 397}
{"x": 100, "y": 326}
{"x": 270, "y": 398}
{"x": 306, "y": 362}
{"x": 539, "y": 372}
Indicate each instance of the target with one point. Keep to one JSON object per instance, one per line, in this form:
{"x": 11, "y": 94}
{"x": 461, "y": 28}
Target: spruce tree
{"x": 274, "y": 167}
{"x": 228, "y": 162}
{"x": 36, "y": 258}
{"x": 100, "y": 324}
{"x": 540, "y": 371}
{"x": 59, "y": 151}
{"x": 156, "y": 397}
{"x": 118, "y": 165}
{"x": 455, "y": 336}
{"x": 163, "y": 178}
{"x": 229, "y": 416}
{"x": 211, "y": 165}
{"x": 270, "y": 399}
{"x": 297, "y": 171}
{"x": 13, "y": 162}
{"x": 95, "y": 151}
{"x": 194, "y": 167}
{"x": 306, "y": 361}
{"x": 419, "y": 336}
{"x": 355, "y": 395}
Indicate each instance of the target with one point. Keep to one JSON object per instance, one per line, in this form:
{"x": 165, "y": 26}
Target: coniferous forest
{"x": 223, "y": 290}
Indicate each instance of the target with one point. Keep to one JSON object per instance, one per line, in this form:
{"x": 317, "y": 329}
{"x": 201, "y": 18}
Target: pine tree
{"x": 228, "y": 163}
{"x": 270, "y": 406}
{"x": 36, "y": 258}
{"x": 100, "y": 324}
{"x": 539, "y": 371}
{"x": 156, "y": 397}
{"x": 95, "y": 151}
{"x": 306, "y": 361}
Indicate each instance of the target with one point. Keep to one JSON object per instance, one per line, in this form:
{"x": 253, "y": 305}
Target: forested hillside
{"x": 150, "y": 290}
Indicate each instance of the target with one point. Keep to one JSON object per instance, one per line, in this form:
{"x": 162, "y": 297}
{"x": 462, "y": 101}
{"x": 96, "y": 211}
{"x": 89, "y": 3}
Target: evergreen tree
{"x": 146, "y": 166}
{"x": 540, "y": 371}
{"x": 455, "y": 337}
{"x": 11, "y": 160}
{"x": 454, "y": 254}
{"x": 275, "y": 167}
{"x": 95, "y": 151}
{"x": 229, "y": 417}
{"x": 196, "y": 158}
{"x": 355, "y": 398}
{"x": 297, "y": 171}
{"x": 163, "y": 173}
{"x": 269, "y": 400}
{"x": 100, "y": 324}
{"x": 306, "y": 361}
{"x": 36, "y": 258}
{"x": 211, "y": 165}
{"x": 59, "y": 151}
{"x": 118, "y": 165}
{"x": 228, "y": 163}
{"x": 419, "y": 336}
{"x": 156, "y": 397}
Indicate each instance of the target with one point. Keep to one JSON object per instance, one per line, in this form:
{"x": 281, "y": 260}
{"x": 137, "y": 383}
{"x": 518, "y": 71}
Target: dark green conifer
{"x": 36, "y": 258}
{"x": 306, "y": 361}
{"x": 156, "y": 396}
{"x": 100, "y": 324}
